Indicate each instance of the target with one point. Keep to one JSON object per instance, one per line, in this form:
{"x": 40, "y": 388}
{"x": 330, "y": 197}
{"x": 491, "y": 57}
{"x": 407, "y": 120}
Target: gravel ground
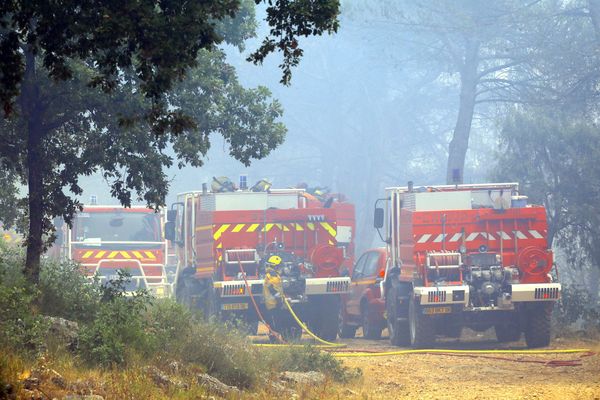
{"x": 426, "y": 376}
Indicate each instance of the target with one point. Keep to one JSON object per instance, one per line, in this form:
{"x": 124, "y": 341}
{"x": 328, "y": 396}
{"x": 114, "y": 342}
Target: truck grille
{"x": 234, "y": 290}
{"x": 436, "y": 296}
{"x": 546, "y": 293}
{"x": 335, "y": 287}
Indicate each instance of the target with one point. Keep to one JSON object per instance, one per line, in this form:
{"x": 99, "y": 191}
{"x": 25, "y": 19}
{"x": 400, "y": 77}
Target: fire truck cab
{"x": 224, "y": 238}
{"x": 465, "y": 255}
{"x": 106, "y": 239}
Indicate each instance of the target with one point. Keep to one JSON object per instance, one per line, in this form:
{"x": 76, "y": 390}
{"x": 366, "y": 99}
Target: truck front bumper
{"x": 521, "y": 292}
{"x": 314, "y": 286}
{"x": 458, "y": 294}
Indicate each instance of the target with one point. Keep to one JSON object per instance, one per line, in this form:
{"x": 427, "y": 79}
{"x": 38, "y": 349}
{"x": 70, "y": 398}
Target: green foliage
{"x": 575, "y": 307}
{"x": 19, "y": 327}
{"x": 290, "y": 20}
{"x": 309, "y": 358}
{"x": 65, "y": 292}
{"x": 118, "y": 329}
{"x": 554, "y": 157}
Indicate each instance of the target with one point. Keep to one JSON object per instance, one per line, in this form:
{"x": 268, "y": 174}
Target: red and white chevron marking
{"x": 469, "y": 237}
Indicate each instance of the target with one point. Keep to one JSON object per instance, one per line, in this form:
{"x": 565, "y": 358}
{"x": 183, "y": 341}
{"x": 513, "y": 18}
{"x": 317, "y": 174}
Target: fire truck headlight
{"x": 160, "y": 291}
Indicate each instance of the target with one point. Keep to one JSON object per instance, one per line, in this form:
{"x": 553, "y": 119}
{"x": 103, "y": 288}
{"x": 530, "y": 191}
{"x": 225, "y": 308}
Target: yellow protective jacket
{"x": 272, "y": 288}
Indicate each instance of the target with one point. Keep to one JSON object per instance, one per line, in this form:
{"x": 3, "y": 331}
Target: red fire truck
{"x": 224, "y": 238}
{"x": 105, "y": 239}
{"x": 466, "y": 255}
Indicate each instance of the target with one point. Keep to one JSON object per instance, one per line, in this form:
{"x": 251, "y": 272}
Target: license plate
{"x": 437, "y": 310}
{"x": 234, "y": 306}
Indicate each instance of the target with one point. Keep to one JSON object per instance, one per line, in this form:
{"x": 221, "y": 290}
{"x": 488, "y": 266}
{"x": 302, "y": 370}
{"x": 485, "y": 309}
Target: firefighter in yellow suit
{"x": 273, "y": 285}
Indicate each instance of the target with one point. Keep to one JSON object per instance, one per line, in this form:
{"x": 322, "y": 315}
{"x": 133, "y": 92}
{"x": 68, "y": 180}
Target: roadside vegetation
{"x": 71, "y": 335}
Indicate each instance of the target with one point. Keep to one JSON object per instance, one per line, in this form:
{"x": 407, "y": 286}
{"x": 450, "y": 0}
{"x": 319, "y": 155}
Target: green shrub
{"x": 20, "y": 327}
{"x": 118, "y": 330}
{"x": 576, "y": 307}
{"x": 225, "y": 353}
{"x": 308, "y": 358}
{"x": 65, "y": 292}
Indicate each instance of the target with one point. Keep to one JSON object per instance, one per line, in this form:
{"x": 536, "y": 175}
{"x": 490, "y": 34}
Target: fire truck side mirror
{"x": 171, "y": 215}
{"x": 378, "y": 218}
{"x": 170, "y": 230}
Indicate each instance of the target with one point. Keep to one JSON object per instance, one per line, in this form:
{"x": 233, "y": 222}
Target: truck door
{"x": 358, "y": 285}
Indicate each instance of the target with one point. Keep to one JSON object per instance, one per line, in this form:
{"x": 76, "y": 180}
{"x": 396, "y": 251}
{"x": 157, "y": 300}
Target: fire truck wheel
{"x": 507, "y": 332}
{"x": 345, "y": 331}
{"x": 538, "y": 327}
{"x": 325, "y": 325}
{"x": 210, "y": 304}
{"x": 371, "y": 330}
{"x": 421, "y": 326}
{"x": 185, "y": 294}
{"x": 397, "y": 327}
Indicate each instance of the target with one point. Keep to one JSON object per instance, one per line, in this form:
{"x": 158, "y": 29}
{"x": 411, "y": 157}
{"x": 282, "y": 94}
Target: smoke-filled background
{"x": 378, "y": 104}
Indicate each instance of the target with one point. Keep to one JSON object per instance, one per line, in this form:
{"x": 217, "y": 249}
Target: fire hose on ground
{"x": 348, "y": 353}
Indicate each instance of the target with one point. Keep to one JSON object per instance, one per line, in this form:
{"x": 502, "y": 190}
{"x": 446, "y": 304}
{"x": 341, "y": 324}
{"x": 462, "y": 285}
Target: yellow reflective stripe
{"x": 88, "y": 254}
{"x": 113, "y": 254}
{"x": 203, "y": 269}
{"x": 220, "y": 231}
{"x": 238, "y": 227}
{"x": 252, "y": 227}
{"x": 299, "y": 227}
{"x": 329, "y": 228}
{"x": 125, "y": 254}
{"x": 285, "y": 228}
{"x": 331, "y": 242}
{"x": 310, "y": 226}
{"x": 268, "y": 227}
{"x": 219, "y": 245}
{"x": 203, "y": 228}
{"x": 149, "y": 254}
{"x": 100, "y": 254}
{"x": 137, "y": 254}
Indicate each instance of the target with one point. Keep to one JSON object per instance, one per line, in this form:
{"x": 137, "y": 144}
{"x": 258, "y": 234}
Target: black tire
{"x": 398, "y": 329}
{"x": 507, "y": 332}
{"x": 324, "y": 310}
{"x": 421, "y": 326}
{"x": 538, "y": 326}
{"x": 454, "y": 331}
{"x": 345, "y": 331}
{"x": 209, "y": 303}
{"x": 186, "y": 293}
{"x": 371, "y": 330}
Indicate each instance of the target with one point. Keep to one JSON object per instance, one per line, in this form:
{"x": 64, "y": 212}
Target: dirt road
{"x": 425, "y": 376}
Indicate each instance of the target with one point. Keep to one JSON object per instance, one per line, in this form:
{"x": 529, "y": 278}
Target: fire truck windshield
{"x": 116, "y": 227}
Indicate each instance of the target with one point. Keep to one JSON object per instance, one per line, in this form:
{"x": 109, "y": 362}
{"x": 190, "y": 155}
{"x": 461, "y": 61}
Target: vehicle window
{"x": 372, "y": 264}
{"x": 117, "y": 227}
{"x": 358, "y": 268}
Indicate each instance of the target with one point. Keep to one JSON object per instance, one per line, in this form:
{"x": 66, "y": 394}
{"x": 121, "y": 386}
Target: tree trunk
{"x": 32, "y": 111}
{"x": 468, "y": 92}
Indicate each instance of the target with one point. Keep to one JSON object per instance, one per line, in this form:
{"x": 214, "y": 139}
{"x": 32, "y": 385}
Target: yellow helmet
{"x": 274, "y": 261}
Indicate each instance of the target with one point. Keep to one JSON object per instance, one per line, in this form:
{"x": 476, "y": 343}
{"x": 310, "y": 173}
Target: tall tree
{"x": 100, "y": 86}
{"x": 485, "y": 50}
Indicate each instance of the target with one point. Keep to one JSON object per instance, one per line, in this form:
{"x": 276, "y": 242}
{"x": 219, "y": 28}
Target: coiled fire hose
{"x": 487, "y": 354}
